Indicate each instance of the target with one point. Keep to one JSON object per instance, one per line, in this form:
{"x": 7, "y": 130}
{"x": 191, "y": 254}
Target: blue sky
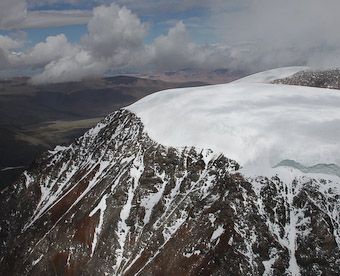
{"x": 63, "y": 40}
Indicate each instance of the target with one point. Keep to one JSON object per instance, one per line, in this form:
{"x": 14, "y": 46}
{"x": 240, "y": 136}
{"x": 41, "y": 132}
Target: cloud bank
{"x": 115, "y": 41}
{"x": 286, "y": 32}
{"x": 255, "y": 35}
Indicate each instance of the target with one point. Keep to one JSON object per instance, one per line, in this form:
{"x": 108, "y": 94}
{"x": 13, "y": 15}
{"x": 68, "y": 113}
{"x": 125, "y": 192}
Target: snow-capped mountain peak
{"x": 235, "y": 179}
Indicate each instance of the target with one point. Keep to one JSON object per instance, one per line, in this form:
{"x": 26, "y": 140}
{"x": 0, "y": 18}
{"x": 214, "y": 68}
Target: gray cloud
{"x": 3, "y": 59}
{"x": 33, "y": 3}
{"x": 284, "y": 32}
{"x": 52, "y": 18}
{"x": 12, "y": 13}
{"x": 8, "y": 44}
{"x": 150, "y": 7}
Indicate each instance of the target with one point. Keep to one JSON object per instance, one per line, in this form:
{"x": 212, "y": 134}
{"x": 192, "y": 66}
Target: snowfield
{"x": 271, "y": 130}
{"x": 274, "y": 74}
{"x": 255, "y": 123}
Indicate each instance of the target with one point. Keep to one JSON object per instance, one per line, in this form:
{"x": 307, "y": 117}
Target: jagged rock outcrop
{"x": 321, "y": 78}
{"x": 116, "y": 202}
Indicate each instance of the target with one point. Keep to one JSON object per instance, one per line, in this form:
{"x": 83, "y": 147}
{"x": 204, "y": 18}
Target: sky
{"x": 66, "y": 40}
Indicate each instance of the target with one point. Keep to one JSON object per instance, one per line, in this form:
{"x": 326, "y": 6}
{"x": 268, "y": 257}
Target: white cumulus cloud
{"x": 7, "y": 43}
{"x": 54, "y": 47}
{"x": 115, "y": 35}
{"x": 176, "y": 51}
{"x": 113, "y": 30}
{"x": 69, "y": 69}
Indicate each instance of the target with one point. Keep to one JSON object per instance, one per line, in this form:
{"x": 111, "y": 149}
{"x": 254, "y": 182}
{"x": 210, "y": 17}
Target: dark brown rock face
{"x": 117, "y": 203}
{"x": 322, "y": 78}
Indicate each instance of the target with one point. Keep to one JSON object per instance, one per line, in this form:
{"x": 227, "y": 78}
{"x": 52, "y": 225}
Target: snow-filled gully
{"x": 122, "y": 228}
{"x": 289, "y": 239}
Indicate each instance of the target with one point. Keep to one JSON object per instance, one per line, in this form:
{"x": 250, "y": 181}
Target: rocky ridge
{"x": 320, "y": 78}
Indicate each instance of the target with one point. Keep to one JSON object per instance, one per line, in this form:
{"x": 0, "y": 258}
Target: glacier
{"x": 250, "y": 121}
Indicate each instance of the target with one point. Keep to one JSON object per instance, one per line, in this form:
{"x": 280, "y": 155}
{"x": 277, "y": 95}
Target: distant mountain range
{"x": 218, "y": 76}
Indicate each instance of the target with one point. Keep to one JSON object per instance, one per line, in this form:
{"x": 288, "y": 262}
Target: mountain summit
{"x": 197, "y": 181}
